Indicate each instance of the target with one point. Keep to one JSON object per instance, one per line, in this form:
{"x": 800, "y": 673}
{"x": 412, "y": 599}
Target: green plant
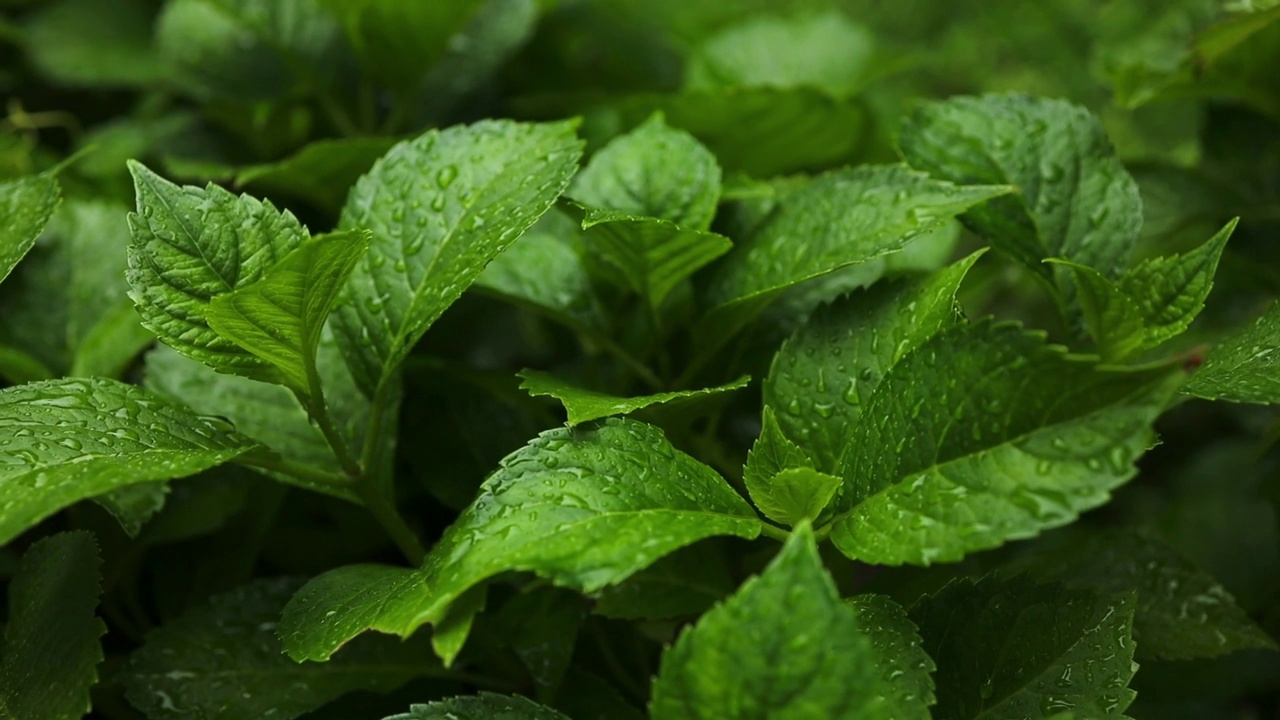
{"x": 706, "y": 389}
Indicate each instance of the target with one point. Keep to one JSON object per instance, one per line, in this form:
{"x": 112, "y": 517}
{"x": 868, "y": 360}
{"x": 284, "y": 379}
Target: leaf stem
{"x": 384, "y": 511}
{"x": 377, "y": 489}
{"x": 302, "y": 471}
{"x": 774, "y": 532}
{"x": 319, "y": 411}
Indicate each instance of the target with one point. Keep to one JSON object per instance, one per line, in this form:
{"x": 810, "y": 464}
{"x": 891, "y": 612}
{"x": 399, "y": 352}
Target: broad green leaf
{"x": 906, "y": 669}
{"x": 986, "y": 434}
{"x": 1075, "y": 201}
{"x": 320, "y": 173}
{"x": 571, "y": 507}
{"x": 1245, "y": 367}
{"x": 1009, "y": 648}
{"x": 822, "y": 374}
{"x": 441, "y": 207}
{"x": 50, "y": 652}
{"x": 26, "y": 204}
{"x": 653, "y": 171}
{"x": 223, "y": 661}
{"x": 682, "y": 584}
{"x": 279, "y": 317}
{"x": 585, "y": 405}
{"x": 842, "y": 218}
{"x": 795, "y": 494}
{"x": 485, "y": 706}
{"x": 819, "y": 50}
{"x": 94, "y": 43}
{"x": 1150, "y": 303}
{"x": 190, "y": 245}
{"x": 783, "y": 646}
{"x": 1181, "y": 611}
{"x": 70, "y": 439}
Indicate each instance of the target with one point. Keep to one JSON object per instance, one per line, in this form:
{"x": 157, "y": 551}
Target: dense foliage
{"x": 598, "y": 359}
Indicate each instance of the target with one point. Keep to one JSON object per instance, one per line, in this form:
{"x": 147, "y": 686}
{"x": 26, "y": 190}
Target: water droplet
{"x": 446, "y": 175}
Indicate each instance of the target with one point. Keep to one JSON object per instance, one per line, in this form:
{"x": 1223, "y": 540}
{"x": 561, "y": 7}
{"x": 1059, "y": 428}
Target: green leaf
{"x": 1009, "y": 648}
{"x": 441, "y": 207}
{"x": 50, "y": 652}
{"x": 70, "y": 439}
{"x": 222, "y": 661}
{"x": 26, "y": 204}
{"x": 320, "y": 173}
{"x": 783, "y": 646}
{"x": 1244, "y": 367}
{"x": 653, "y": 171}
{"x": 842, "y": 218}
{"x": 18, "y": 367}
{"x": 190, "y": 245}
{"x": 279, "y": 317}
{"x": 986, "y": 434}
{"x": 541, "y": 627}
{"x": 822, "y": 374}
{"x": 133, "y": 505}
{"x": 571, "y": 507}
{"x": 94, "y": 43}
{"x": 822, "y": 50}
{"x": 585, "y": 405}
{"x": 906, "y": 669}
{"x": 1076, "y": 200}
{"x": 772, "y": 453}
{"x": 682, "y": 584}
{"x": 1113, "y": 318}
{"x": 112, "y": 344}
{"x": 795, "y": 494}
{"x": 485, "y": 706}
{"x": 1181, "y": 613}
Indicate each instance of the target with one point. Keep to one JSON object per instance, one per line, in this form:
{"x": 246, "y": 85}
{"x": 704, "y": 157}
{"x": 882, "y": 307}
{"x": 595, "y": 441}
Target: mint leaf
{"x": 805, "y": 655}
{"x": 485, "y": 706}
{"x": 1009, "y": 648}
{"x": 584, "y": 405}
{"x": 795, "y": 494}
{"x": 822, "y": 50}
{"x": 1243, "y": 367}
{"x": 653, "y": 171}
{"x": 279, "y": 317}
{"x": 1113, "y": 318}
{"x": 441, "y": 207}
{"x": 822, "y": 374}
{"x": 1076, "y": 200}
{"x": 70, "y": 439}
{"x": 190, "y": 245}
{"x": 26, "y": 204}
{"x": 570, "y": 506}
{"x": 320, "y": 173}
{"x": 50, "y": 652}
{"x": 222, "y": 661}
{"x": 772, "y": 453}
{"x": 906, "y": 669}
{"x": 985, "y": 434}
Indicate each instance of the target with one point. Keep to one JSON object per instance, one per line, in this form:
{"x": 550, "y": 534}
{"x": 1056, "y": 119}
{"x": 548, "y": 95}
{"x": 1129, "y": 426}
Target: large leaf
{"x": 1076, "y": 201}
{"x": 222, "y": 661}
{"x": 1246, "y": 366}
{"x": 279, "y": 317}
{"x": 1009, "y": 648}
{"x": 71, "y": 439}
{"x": 50, "y": 652}
{"x": 26, "y": 204}
{"x": 441, "y": 207}
{"x": 583, "y": 405}
{"x": 822, "y": 374}
{"x": 573, "y": 506}
{"x": 986, "y": 434}
{"x": 485, "y": 706}
{"x": 783, "y": 646}
{"x": 190, "y": 245}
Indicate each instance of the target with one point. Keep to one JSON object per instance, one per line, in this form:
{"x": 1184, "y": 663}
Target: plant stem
{"x": 319, "y": 411}
{"x": 774, "y": 532}
{"x": 376, "y": 488}
{"x": 302, "y": 471}
{"x": 384, "y": 511}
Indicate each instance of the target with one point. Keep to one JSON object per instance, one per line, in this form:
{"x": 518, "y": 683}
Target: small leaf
{"x": 1008, "y": 648}
{"x": 585, "y": 405}
{"x": 1113, "y": 318}
{"x": 26, "y": 204}
{"x": 485, "y": 706}
{"x": 441, "y": 206}
{"x": 795, "y": 494}
{"x": 279, "y": 317}
{"x": 50, "y": 652}
{"x": 71, "y": 439}
{"x": 1244, "y": 367}
{"x": 907, "y": 670}
{"x": 772, "y": 453}
{"x": 783, "y": 646}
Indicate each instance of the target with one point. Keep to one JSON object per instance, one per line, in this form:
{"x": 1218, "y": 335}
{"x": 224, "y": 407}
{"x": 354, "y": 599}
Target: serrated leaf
{"x": 822, "y": 375}
{"x": 222, "y": 661}
{"x": 26, "y": 204}
{"x": 783, "y": 646}
{"x": 50, "y": 651}
{"x": 653, "y": 171}
{"x": 906, "y": 669}
{"x": 584, "y": 405}
{"x": 772, "y": 453}
{"x": 842, "y": 218}
{"x": 441, "y": 207}
{"x": 1244, "y": 367}
{"x": 71, "y": 439}
{"x": 279, "y": 317}
{"x": 795, "y": 494}
{"x": 485, "y": 706}
{"x": 571, "y": 506}
{"x": 190, "y": 245}
{"x": 1075, "y": 201}
{"x": 1008, "y": 648}
{"x": 1113, "y": 318}
{"x": 1181, "y": 612}
{"x": 986, "y": 434}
